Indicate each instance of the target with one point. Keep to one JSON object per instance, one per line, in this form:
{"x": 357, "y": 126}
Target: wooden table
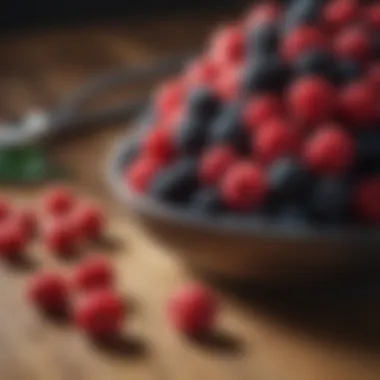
{"x": 267, "y": 340}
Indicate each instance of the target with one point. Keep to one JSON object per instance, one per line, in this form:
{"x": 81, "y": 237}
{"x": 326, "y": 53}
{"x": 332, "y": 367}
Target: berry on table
{"x": 49, "y": 292}
{"x": 60, "y": 236}
{"x": 13, "y": 238}
{"x": 5, "y": 208}
{"x": 94, "y": 273}
{"x": 89, "y": 221}
{"x": 330, "y": 151}
{"x": 27, "y": 219}
{"x": 100, "y": 314}
{"x": 244, "y": 186}
{"x": 59, "y": 200}
{"x": 193, "y": 309}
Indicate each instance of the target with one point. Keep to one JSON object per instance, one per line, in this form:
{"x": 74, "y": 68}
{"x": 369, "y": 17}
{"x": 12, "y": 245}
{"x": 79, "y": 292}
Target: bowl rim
{"x": 118, "y": 160}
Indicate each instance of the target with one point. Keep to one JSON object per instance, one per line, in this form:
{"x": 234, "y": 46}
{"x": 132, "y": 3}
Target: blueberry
{"x": 368, "y": 152}
{"x": 228, "y": 128}
{"x": 267, "y": 74}
{"x": 293, "y": 215}
{"x": 302, "y": 12}
{"x": 288, "y": 179}
{"x": 317, "y": 62}
{"x": 330, "y": 200}
{"x": 192, "y": 134}
{"x": 263, "y": 40}
{"x": 177, "y": 183}
{"x": 203, "y": 103}
{"x": 207, "y": 202}
{"x": 347, "y": 71}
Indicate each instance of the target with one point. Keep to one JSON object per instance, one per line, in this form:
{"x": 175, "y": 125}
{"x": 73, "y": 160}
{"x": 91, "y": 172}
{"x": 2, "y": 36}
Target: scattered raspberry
{"x": 340, "y": 13}
{"x": 261, "y": 109}
{"x": 100, "y": 314}
{"x": 193, "y": 309}
{"x": 5, "y": 208}
{"x": 170, "y": 97}
{"x": 301, "y": 40}
{"x": 311, "y": 100}
{"x": 59, "y": 201}
{"x": 49, "y": 292}
{"x": 353, "y": 43}
{"x": 262, "y": 14}
{"x": 373, "y": 16}
{"x": 27, "y": 220}
{"x": 159, "y": 144}
{"x": 13, "y": 238}
{"x": 141, "y": 173}
{"x": 89, "y": 221}
{"x": 244, "y": 186}
{"x": 367, "y": 203}
{"x": 60, "y": 236}
{"x": 330, "y": 151}
{"x": 94, "y": 273}
{"x": 358, "y": 103}
{"x": 215, "y": 163}
{"x": 275, "y": 139}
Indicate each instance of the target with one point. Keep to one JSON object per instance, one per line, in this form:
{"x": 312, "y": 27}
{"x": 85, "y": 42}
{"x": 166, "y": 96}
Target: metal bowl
{"x": 240, "y": 249}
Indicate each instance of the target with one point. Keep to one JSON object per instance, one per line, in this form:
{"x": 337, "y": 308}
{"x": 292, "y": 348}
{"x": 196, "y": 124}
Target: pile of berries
{"x": 279, "y": 118}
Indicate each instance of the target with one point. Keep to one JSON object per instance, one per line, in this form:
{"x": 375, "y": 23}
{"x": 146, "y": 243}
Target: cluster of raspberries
{"x": 279, "y": 117}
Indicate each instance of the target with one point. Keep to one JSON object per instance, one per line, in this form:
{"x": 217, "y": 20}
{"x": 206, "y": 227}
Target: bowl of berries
{"x": 262, "y": 159}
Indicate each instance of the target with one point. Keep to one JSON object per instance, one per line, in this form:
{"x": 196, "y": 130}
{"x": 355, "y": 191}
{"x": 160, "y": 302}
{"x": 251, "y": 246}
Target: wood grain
{"x": 265, "y": 339}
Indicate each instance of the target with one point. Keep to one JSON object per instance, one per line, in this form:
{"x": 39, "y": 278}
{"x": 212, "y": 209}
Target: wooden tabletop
{"x": 267, "y": 339}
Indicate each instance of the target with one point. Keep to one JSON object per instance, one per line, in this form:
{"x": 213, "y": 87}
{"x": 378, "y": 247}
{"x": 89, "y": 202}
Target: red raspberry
{"x": 94, "y": 273}
{"x": 244, "y": 186}
{"x": 311, "y": 99}
{"x": 300, "y": 40}
{"x": 100, "y": 314}
{"x": 59, "y": 200}
{"x": 330, "y": 150}
{"x": 263, "y": 13}
{"x": 373, "y": 16}
{"x": 49, "y": 292}
{"x": 261, "y": 109}
{"x": 358, "y": 103}
{"x": 159, "y": 144}
{"x": 60, "y": 236}
{"x": 374, "y": 76}
{"x": 339, "y": 13}
{"x": 193, "y": 309}
{"x": 170, "y": 97}
{"x": 140, "y": 174}
{"x": 367, "y": 203}
{"x": 353, "y": 43}
{"x": 275, "y": 139}
{"x": 215, "y": 163}
{"x": 227, "y": 85}
{"x": 202, "y": 72}
{"x": 13, "y": 238}
{"x": 228, "y": 45}
{"x": 5, "y": 208}
{"x": 27, "y": 220}
{"x": 89, "y": 221}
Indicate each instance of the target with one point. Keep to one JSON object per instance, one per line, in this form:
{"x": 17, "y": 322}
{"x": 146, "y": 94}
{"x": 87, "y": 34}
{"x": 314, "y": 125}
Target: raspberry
{"x": 215, "y": 162}
{"x": 311, "y": 99}
{"x": 244, "y": 186}
{"x": 170, "y": 97}
{"x": 60, "y": 236}
{"x": 94, "y": 273}
{"x": 330, "y": 150}
{"x": 13, "y": 238}
{"x": 300, "y": 40}
{"x": 193, "y": 309}
{"x": 275, "y": 139}
{"x": 89, "y": 221}
{"x": 140, "y": 175}
{"x": 100, "y": 314}
{"x": 358, "y": 103}
{"x": 201, "y": 72}
{"x": 366, "y": 200}
{"x": 353, "y": 43}
{"x": 373, "y": 16}
{"x": 261, "y": 109}
{"x": 262, "y": 14}
{"x": 374, "y": 76}
{"x": 228, "y": 45}
{"x": 59, "y": 200}
{"x": 49, "y": 292}
{"x": 339, "y": 13}
{"x": 27, "y": 220}
{"x": 5, "y": 208}
{"x": 159, "y": 144}
{"x": 227, "y": 85}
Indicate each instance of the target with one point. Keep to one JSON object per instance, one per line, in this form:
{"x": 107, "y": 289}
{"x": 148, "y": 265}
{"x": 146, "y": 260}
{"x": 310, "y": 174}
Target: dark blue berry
{"x": 203, "y": 103}
{"x": 207, "y": 202}
{"x": 288, "y": 179}
{"x": 191, "y": 135}
{"x": 263, "y": 40}
{"x": 330, "y": 200}
{"x": 228, "y": 128}
{"x": 302, "y": 12}
{"x": 318, "y": 62}
{"x": 293, "y": 215}
{"x": 368, "y": 152}
{"x": 267, "y": 74}
{"x": 177, "y": 183}
{"x": 347, "y": 71}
